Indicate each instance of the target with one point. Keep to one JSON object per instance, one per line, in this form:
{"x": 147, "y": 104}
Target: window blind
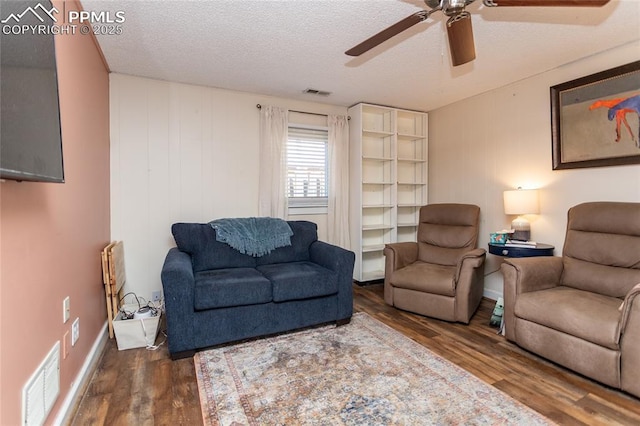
{"x": 307, "y": 167}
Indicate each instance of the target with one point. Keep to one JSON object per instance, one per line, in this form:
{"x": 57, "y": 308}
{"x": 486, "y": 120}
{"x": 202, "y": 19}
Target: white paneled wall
{"x": 182, "y": 153}
{"x": 501, "y": 139}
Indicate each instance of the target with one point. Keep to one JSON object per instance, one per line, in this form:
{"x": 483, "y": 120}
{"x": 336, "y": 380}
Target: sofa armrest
{"x": 469, "y": 261}
{"x": 399, "y": 255}
{"x": 340, "y": 261}
{"x": 522, "y": 275}
{"x": 178, "y": 285}
{"x": 534, "y": 273}
{"x": 627, "y": 308}
{"x": 630, "y": 342}
{"x": 469, "y": 283}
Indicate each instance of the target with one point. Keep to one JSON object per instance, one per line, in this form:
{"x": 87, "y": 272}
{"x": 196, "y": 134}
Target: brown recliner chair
{"x": 442, "y": 274}
{"x": 570, "y": 309}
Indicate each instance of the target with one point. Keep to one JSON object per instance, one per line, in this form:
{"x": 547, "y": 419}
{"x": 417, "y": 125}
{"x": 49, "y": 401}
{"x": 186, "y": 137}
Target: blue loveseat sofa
{"x": 214, "y": 294}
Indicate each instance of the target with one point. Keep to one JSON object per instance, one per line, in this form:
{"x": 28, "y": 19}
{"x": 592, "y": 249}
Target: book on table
{"x": 519, "y": 243}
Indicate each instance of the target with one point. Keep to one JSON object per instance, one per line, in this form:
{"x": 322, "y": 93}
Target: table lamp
{"x": 520, "y": 202}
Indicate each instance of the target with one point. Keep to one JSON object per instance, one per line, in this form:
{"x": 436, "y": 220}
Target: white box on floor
{"x": 135, "y": 333}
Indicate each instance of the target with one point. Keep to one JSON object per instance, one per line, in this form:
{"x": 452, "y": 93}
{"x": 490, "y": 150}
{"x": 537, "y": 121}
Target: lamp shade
{"x": 521, "y": 201}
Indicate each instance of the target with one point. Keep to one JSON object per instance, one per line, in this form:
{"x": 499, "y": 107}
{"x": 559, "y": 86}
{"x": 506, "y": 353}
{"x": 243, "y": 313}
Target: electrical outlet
{"x": 75, "y": 331}
{"x": 65, "y": 345}
{"x": 156, "y": 296}
{"x": 66, "y": 309}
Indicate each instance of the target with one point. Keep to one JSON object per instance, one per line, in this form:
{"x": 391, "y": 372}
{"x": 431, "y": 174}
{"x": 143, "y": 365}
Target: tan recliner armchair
{"x": 442, "y": 274}
{"x": 570, "y": 309}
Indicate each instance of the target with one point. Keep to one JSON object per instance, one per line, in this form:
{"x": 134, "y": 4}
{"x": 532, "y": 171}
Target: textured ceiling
{"x": 282, "y": 47}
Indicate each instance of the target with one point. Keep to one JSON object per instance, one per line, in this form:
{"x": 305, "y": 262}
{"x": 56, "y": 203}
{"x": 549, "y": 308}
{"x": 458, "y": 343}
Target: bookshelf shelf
{"x": 388, "y": 181}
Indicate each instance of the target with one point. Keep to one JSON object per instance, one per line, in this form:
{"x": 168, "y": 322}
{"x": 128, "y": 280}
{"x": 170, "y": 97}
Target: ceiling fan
{"x": 459, "y": 29}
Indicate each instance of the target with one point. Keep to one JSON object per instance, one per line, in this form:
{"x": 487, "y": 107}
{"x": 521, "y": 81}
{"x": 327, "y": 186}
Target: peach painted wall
{"x": 51, "y": 235}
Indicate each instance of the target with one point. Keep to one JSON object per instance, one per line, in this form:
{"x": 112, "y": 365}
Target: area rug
{"x": 363, "y": 373}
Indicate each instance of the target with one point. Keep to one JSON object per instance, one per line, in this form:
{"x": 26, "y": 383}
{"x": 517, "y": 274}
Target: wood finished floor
{"x": 140, "y": 387}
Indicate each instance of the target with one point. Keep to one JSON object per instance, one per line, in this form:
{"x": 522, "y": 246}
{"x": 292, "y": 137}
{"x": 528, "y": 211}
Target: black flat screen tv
{"x": 31, "y": 139}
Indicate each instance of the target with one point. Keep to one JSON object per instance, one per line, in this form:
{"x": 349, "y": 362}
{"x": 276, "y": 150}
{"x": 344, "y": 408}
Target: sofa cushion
{"x": 598, "y": 278}
{"x": 588, "y": 316}
{"x": 412, "y": 277}
{"x": 304, "y": 234}
{"x": 446, "y": 231}
{"x": 199, "y": 240}
{"x": 299, "y": 280}
{"x": 221, "y": 288}
{"x": 602, "y": 249}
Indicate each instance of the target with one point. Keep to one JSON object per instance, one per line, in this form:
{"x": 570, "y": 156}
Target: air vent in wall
{"x": 41, "y": 391}
{"x": 316, "y": 92}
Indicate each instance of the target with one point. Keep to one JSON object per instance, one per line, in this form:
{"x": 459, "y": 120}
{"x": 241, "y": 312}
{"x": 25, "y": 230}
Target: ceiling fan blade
{"x": 460, "y": 35}
{"x": 387, "y": 33}
{"x": 568, "y": 3}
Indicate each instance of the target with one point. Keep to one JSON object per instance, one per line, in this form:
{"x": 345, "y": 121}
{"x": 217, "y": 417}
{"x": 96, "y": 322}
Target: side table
{"x": 501, "y": 250}
{"x": 539, "y": 250}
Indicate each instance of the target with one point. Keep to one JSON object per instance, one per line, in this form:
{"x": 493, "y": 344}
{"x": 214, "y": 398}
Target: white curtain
{"x": 338, "y": 211}
{"x": 272, "y": 198}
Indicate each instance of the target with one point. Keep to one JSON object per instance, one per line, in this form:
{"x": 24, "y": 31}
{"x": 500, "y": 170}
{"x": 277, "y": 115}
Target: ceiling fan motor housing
{"x": 459, "y": 28}
{"x": 453, "y": 7}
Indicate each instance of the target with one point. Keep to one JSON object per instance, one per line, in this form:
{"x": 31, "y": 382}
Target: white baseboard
{"x": 491, "y": 294}
{"x": 83, "y": 376}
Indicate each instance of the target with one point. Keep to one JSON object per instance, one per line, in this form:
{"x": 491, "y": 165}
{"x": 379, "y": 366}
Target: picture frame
{"x": 595, "y": 120}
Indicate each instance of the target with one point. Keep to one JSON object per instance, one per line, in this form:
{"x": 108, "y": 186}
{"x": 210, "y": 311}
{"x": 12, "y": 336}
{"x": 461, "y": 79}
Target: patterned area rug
{"x": 363, "y": 373}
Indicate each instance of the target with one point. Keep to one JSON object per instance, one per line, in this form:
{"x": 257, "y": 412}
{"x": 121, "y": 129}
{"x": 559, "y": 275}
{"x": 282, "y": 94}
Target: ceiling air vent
{"x": 316, "y": 92}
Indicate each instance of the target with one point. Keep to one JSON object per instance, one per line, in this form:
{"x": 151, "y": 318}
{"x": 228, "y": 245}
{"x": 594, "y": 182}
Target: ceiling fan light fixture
{"x": 460, "y": 34}
{"x": 432, "y": 4}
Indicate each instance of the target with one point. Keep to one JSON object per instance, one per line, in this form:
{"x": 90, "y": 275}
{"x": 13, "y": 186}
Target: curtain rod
{"x": 303, "y": 112}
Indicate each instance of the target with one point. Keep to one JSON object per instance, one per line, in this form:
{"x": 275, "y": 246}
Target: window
{"x": 307, "y": 167}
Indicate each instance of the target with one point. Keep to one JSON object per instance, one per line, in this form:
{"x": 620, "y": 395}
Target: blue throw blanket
{"x": 255, "y": 236}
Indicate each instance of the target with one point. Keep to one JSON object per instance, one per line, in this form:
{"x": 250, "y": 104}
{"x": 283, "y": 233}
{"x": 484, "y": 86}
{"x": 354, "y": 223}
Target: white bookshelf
{"x": 388, "y": 181}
